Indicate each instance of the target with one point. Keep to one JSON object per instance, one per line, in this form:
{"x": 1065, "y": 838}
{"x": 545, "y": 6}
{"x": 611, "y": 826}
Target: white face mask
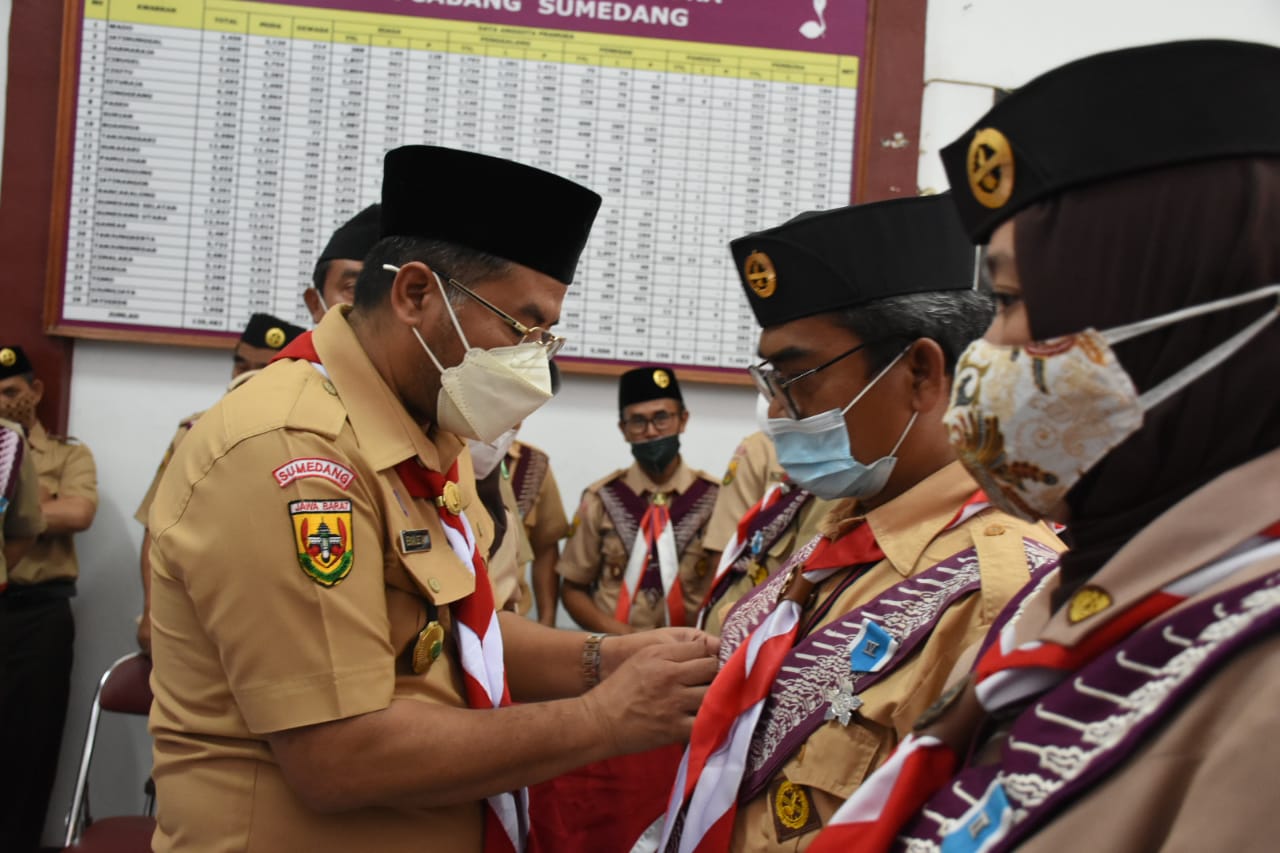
{"x": 491, "y": 390}
{"x": 486, "y": 456}
{"x": 1029, "y": 421}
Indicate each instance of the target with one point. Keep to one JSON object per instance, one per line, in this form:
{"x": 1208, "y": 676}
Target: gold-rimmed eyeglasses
{"x": 536, "y": 334}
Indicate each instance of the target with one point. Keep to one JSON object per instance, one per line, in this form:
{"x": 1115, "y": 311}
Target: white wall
{"x": 126, "y": 399}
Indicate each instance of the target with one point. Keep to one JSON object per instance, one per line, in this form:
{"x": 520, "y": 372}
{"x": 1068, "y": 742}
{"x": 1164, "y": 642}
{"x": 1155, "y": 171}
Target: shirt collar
{"x": 906, "y": 525}
{"x": 37, "y": 437}
{"x": 1238, "y": 504}
{"x": 387, "y": 434}
{"x": 639, "y": 482}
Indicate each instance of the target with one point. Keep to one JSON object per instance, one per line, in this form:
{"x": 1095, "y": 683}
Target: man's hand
{"x": 615, "y": 650}
{"x": 651, "y": 700}
{"x": 144, "y": 634}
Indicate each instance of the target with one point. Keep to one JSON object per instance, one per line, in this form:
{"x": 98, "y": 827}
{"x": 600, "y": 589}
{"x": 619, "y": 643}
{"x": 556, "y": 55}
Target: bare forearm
{"x": 70, "y": 514}
{"x": 577, "y": 600}
{"x": 546, "y": 583}
{"x": 542, "y": 663}
{"x": 413, "y": 754}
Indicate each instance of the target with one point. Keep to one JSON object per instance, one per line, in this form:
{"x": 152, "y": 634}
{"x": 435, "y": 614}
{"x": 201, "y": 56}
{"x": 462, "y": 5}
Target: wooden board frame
{"x": 887, "y": 129}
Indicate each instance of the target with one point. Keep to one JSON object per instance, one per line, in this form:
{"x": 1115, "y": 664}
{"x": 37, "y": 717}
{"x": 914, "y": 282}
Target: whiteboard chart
{"x": 217, "y": 144}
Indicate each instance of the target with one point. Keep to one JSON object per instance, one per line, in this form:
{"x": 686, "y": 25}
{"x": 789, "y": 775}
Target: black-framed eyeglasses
{"x": 536, "y": 334}
{"x": 636, "y": 425}
{"x": 772, "y": 385}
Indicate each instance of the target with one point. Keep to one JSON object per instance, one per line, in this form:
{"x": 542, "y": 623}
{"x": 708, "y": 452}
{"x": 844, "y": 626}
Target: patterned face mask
{"x": 1029, "y": 421}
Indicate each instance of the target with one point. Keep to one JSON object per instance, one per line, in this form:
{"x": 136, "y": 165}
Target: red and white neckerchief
{"x": 1007, "y": 672}
{"x": 655, "y": 539}
{"x": 739, "y": 541}
{"x": 710, "y": 774}
{"x": 475, "y": 625}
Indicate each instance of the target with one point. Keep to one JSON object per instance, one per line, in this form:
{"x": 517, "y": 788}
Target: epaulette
{"x": 604, "y": 481}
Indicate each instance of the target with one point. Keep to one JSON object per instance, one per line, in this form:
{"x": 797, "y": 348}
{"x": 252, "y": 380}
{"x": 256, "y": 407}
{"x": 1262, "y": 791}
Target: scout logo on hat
{"x": 991, "y": 168}
{"x": 8, "y": 358}
{"x": 275, "y": 337}
{"x": 661, "y": 379}
{"x": 322, "y": 533}
{"x": 760, "y": 274}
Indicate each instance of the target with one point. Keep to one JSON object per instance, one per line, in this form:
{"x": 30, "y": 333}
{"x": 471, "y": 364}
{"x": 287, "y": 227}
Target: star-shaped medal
{"x": 843, "y": 702}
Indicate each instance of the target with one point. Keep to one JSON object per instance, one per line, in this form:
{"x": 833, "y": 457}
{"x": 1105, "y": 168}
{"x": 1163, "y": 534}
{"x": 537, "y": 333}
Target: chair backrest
{"x": 125, "y": 688}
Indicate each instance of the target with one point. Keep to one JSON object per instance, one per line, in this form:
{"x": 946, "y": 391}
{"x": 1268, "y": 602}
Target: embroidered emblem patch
{"x": 322, "y": 534}
{"x": 1088, "y": 601}
{"x": 730, "y": 473}
{"x": 313, "y": 466}
{"x": 793, "y": 811}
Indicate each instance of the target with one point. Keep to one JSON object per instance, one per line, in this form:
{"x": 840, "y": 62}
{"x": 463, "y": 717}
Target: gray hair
{"x": 448, "y": 260}
{"x": 951, "y": 318}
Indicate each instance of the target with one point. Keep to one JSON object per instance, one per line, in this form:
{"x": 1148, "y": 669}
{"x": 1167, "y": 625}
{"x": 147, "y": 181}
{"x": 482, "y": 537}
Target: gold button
{"x": 994, "y": 530}
{"x": 328, "y": 386}
{"x": 434, "y": 584}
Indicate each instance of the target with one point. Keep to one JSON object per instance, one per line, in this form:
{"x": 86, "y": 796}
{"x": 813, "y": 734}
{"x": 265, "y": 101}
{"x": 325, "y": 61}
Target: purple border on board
{"x": 750, "y": 23}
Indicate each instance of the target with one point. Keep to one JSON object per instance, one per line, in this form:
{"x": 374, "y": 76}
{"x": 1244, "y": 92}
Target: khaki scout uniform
{"x": 753, "y": 469}
{"x": 545, "y": 521}
{"x": 507, "y": 565}
{"x": 65, "y": 468}
{"x": 911, "y": 530}
{"x": 596, "y": 556}
{"x": 1202, "y": 781}
{"x": 184, "y": 427}
{"x": 144, "y": 508}
{"x": 22, "y": 518}
{"x": 256, "y": 631}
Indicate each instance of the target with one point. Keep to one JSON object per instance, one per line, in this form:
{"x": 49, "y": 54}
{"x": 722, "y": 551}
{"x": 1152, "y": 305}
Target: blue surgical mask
{"x": 815, "y": 452}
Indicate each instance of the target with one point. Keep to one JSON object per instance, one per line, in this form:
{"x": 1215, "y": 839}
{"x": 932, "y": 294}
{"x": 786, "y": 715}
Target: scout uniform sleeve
{"x": 79, "y": 476}
{"x": 582, "y": 556}
{"x": 547, "y": 521}
{"x": 23, "y": 519}
{"x": 286, "y": 581}
{"x": 144, "y": 508}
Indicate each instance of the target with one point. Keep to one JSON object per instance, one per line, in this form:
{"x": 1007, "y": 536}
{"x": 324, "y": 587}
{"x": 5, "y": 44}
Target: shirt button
{"x": 994, "y": 530}
{"x": 433, "y": 584}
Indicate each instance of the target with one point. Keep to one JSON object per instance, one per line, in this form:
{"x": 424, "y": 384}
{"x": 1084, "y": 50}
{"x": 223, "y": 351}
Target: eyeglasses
{"x": 772, "y": 385}
{"x": 637, "y": 425}
{"x": 537, "y": 335}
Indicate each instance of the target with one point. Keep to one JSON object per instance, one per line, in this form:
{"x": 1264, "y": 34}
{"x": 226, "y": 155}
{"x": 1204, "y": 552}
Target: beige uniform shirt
{"x": 144, "y": 508}
{"x": 21, "y": 515}
{"x": 507, "y": 565}
{"x": 911, "y": 530}
{"x": 65, "y": 467}
{"x": 596, "y": 556}
{"x": 258, "y": 630}
{"x": 545, "y": 523}
{"x": 1203, "y": 781}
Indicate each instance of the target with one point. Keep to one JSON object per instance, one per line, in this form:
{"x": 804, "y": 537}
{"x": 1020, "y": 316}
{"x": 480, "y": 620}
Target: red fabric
{"x": 602, "y": 807}
{"x": 855, "y": 548}
{"x": 923, "y": 774}
{"x": 656, "y": 519}
{"x": 302, "y": 347}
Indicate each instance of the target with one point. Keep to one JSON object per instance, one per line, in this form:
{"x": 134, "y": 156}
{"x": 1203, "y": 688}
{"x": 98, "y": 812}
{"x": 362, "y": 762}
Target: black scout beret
{"x": 843, "y": 258}
{"x": 1114, "y": 114}
{"x": 647, "y": 383}
{"x": 488, "y": 204}
{"x": 14, "y": 362}
{"x": 356, "y": 237}
{"x": 264, "y": 330}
